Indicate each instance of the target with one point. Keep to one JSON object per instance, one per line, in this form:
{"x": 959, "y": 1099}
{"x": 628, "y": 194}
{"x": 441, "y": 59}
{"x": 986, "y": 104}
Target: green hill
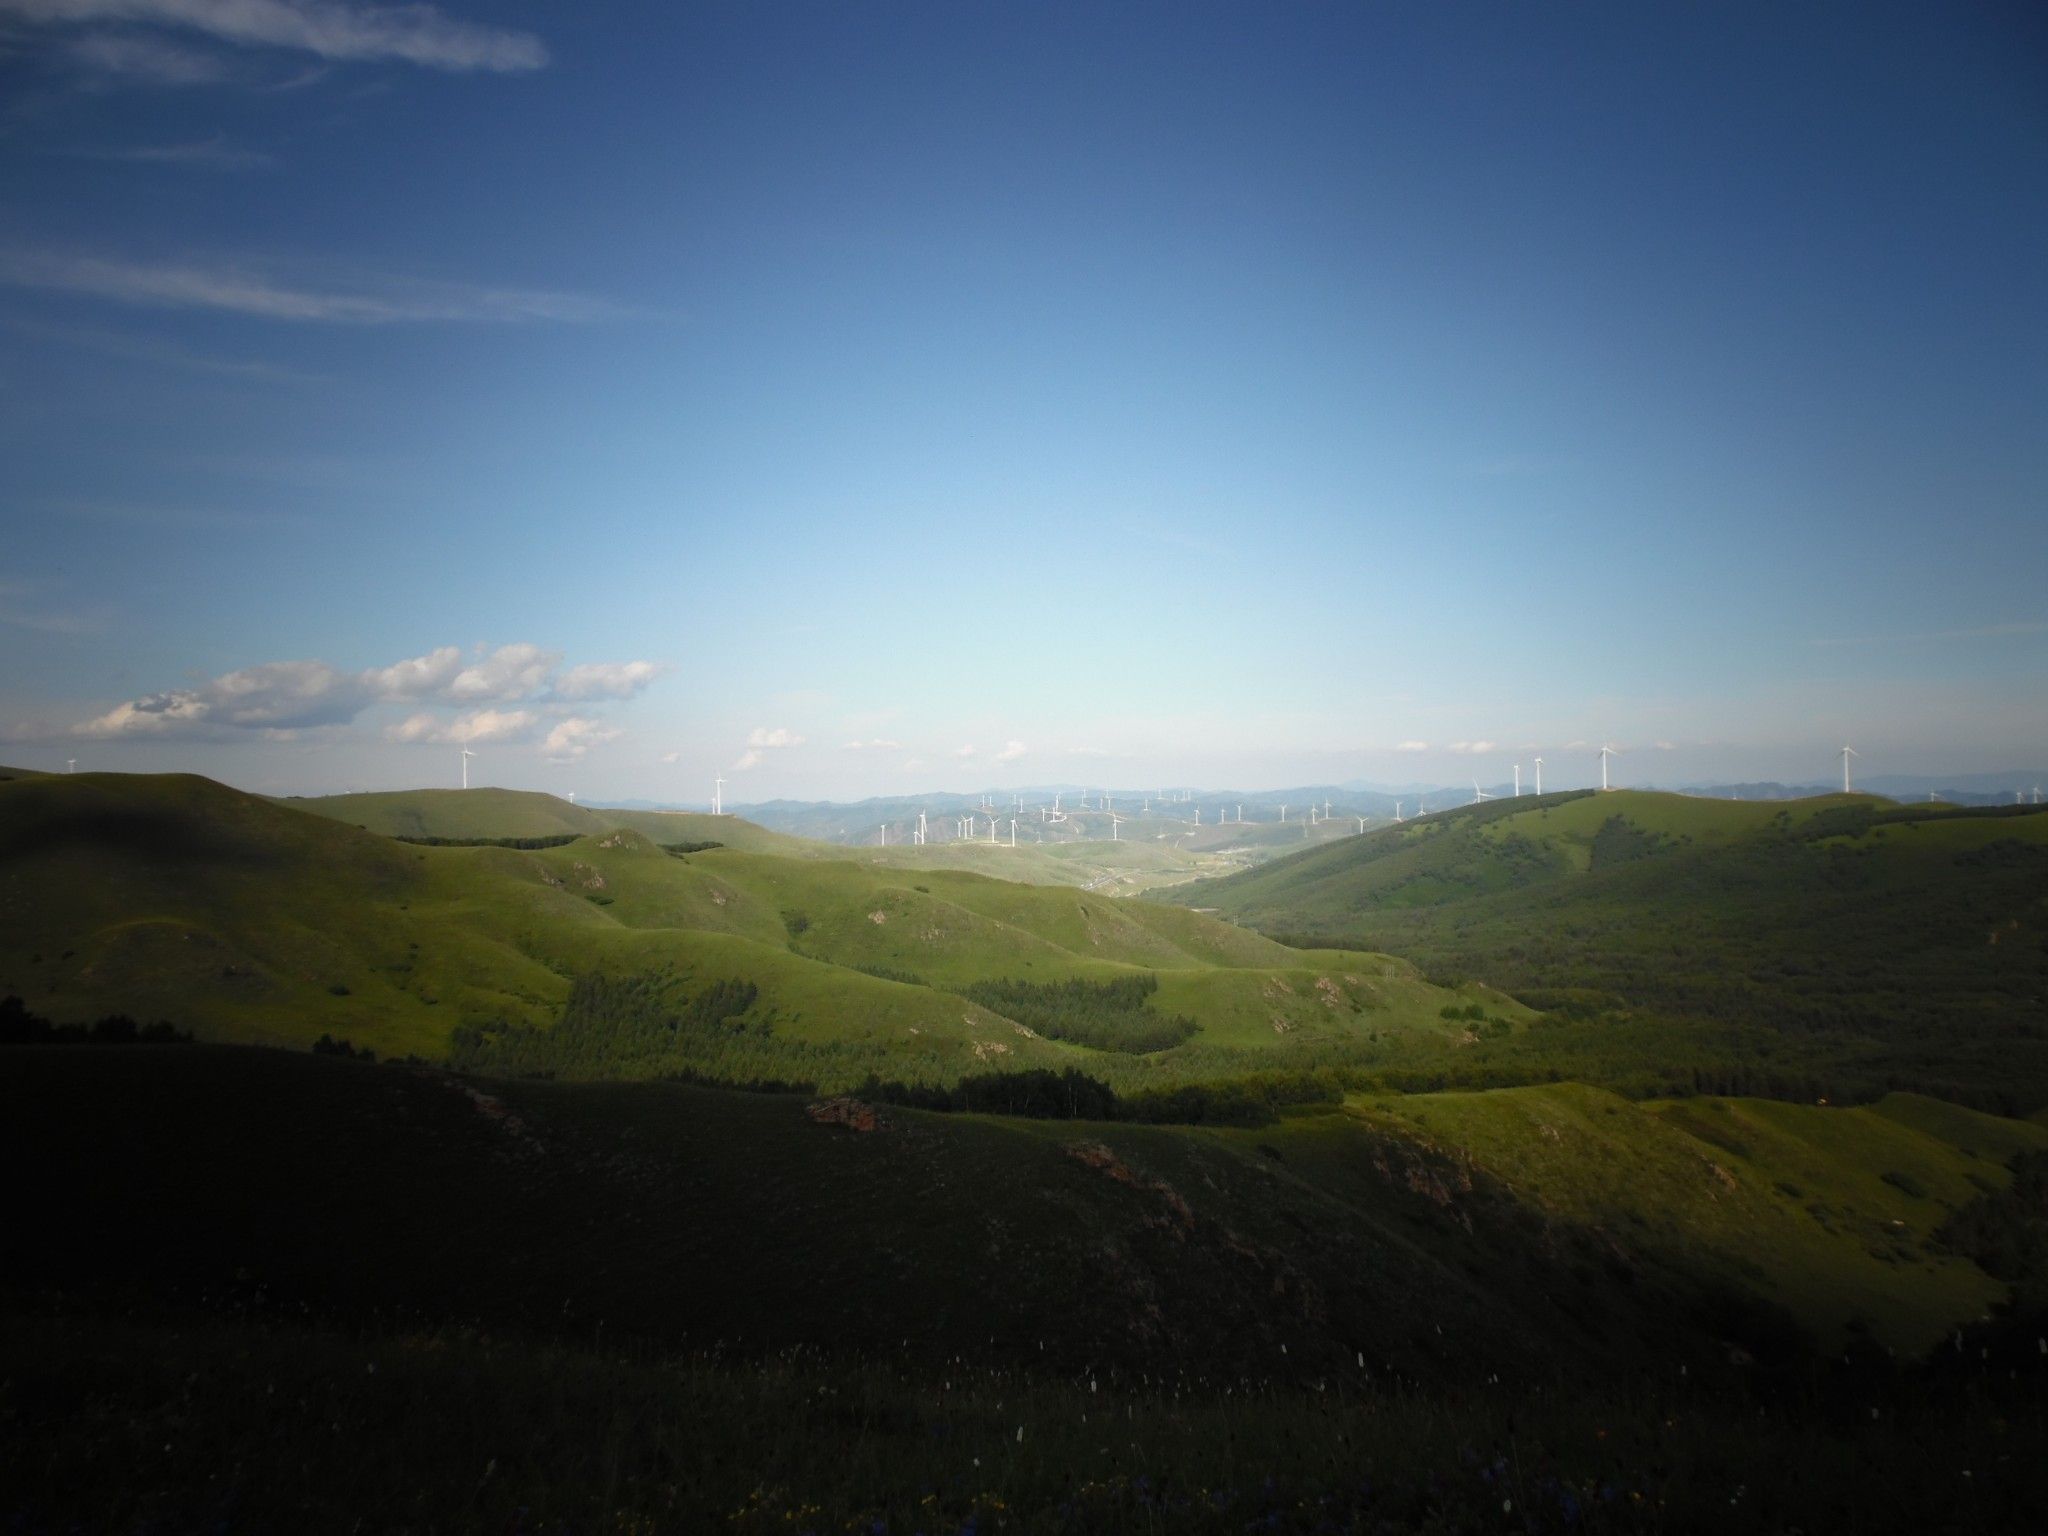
{"x": 245, "y": 919}
{"x": 1836, "y": 945}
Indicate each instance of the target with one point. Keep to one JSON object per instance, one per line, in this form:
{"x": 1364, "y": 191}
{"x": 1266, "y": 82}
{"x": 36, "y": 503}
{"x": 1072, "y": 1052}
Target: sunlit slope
{"x": 174, "y": 897}
{"x": 455, "y": 813}
{"x": 245, "y": 919}
{"x": 1830, "y": 1213}
{"x": 1911, "y": 938}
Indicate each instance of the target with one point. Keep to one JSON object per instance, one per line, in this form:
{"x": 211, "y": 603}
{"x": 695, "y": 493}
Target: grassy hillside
{"x": 246, "y": 919}
{"x": 1841, "y": 943}
{"x": 656, "y": 1307}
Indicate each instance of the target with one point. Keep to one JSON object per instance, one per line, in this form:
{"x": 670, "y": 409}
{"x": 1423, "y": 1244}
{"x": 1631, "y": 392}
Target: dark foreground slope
{"x": 254, "y": 1291}
{"x": 1829, "y": 946}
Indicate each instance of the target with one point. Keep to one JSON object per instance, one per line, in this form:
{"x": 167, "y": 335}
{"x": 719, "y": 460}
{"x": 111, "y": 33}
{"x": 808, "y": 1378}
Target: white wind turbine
{"x": 572, "y": 797}
{"x": 1539, "y": 775}
{"x": 1847, "y": 753}
{"x": 1479, "y": 795}
{"x": 71, "y": 765}
{"x": 466, "y": 756}
{"x": 1605, "y": 753}
{"x": 1013, "y": 831}
{"x": 1518, "y": 781}
{"x": 1115, "y": 821}
{"x": 718, "y": 795}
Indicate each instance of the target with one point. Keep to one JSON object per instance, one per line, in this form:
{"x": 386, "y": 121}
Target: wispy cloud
{"x": 338, "y": 30}
{"x": 1474, "y": 748}
{"x": 873, "y": 744}
{"x": 141, "y": 57}
{"x": 248, "y": 291}
{"x": 1933, "y": 636}
{"x": 963, "y": 753}
{"x": 1411, "y": 746}
{"x": 156, "y": 350}
{"x": 28, "y": 605}
{"x": 1011, "y": 751}
{"x": 214, "y": 154}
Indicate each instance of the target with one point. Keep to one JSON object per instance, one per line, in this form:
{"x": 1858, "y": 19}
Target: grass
{"x": 249, "y": 920}
{"x": 388, "y": 1297}
{"x": 1839, "y": 941}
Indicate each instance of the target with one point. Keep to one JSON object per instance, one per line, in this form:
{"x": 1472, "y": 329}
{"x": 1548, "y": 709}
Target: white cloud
{"x": 340, "y": 30}
{"x": 1475, "y": 748}
{"x": 509, "y": 672}
{"x": 476, "y": 727}
{"x": 292, "y": 695}
{"x": 607, "y": 679}
{"x": 671, "y": 757}
{"x": 764, "y": 739}
{"x": 572, "y": 737}
{"x": 911, "y": 764}
{"x": 1411, "y": 746}
{"x": 417, "y": 677}
{"x": 1086, "y": 752}
{"x": 963, "y": 753}
{"x": 875, "y": 744}
{"x": 245, "y": 290}
{"x": 1012, "y": 750}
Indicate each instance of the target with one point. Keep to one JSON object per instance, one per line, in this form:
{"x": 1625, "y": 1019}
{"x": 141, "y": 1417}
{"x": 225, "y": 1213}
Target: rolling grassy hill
{"x": 440, "y": 1300}
{"x": 245, "y": 919}
{"x": 1839, "y": 943}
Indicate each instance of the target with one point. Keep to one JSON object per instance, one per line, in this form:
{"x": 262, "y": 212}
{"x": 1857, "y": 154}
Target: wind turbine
{"x": 1479, "y": 795}
{"x": 1539, "y": 775}
{"x": 1605, "y": 753}
{"x": 885, "y": 834}
{"x": 1114, "y": 822}
{"x": 1397, "y": 812}
{"x": 1013, "y": 831}
{"x": 718, "y": 795}
{"x": 71, "y": 765}
{"x": 1518, "y": 781}
{"x": 572, "y": 797}
{"x": 1847, "y": 753}
{"x": 1283, "y": 815}
{"x": 466, "y": 756}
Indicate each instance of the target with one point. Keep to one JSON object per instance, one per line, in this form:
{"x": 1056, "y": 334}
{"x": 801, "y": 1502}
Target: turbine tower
{"x": 466, "y": 756}
{"x": 1539, "y": 775}
{"x": 718, "y": 795}
{"x": 1847, "y": 753}
{"x": 71, "y": 765}
{"x": 1479, "y": 795}
{"x": 1605, "y": 753}
{"x": 572, "y": 797}
{"x": 1518, "y": 781}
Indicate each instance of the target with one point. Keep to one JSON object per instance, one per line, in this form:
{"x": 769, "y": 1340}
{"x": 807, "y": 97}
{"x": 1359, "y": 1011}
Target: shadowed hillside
{"x": 1841, "y": 942}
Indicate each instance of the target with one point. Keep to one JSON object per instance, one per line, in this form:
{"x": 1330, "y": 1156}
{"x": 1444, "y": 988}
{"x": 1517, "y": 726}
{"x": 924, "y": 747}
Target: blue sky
{"x": 1249, "y": 395}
